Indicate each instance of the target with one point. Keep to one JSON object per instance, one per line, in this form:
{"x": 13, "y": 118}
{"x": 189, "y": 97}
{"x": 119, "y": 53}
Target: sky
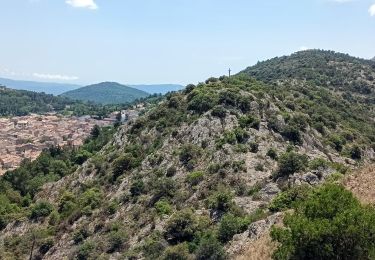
{"x": 171, "y": 41}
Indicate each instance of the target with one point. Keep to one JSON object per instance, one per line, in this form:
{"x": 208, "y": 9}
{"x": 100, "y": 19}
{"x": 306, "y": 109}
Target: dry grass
{"x": 260, "y": 249}
{"x": 362, "y": 184}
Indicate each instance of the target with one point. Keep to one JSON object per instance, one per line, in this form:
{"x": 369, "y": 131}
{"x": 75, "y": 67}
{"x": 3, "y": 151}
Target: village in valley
{"x": 25, "y": 137}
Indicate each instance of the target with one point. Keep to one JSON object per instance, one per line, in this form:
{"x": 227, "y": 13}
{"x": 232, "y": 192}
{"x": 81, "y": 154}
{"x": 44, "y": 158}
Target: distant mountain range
{"x": 46, "y": 87}
{"x": 60, "y": 88}
{"x": 106, "y": 93}
{"x": 373, "y": 59}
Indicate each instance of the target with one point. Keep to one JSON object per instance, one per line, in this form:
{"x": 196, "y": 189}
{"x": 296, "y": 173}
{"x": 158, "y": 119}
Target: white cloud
{"x": 90, "y": 4}
{"x": 54, "y": 76}
{"x": 372, "y": 10}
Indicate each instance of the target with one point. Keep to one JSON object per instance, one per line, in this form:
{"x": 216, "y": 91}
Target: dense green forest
{"x": 22, "y": 102}
{"x": 106, "y": 93}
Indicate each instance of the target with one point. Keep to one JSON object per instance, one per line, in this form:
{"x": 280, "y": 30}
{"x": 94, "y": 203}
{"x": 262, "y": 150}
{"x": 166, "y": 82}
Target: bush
{"x": 163, "y": 208}
{"x": 219, "y": 111}
{"x": 195, "y": 178}
{"x": 287, "y": 199}
{"x": 231, "y": 225}
{"x": 254, "y": 147}
{"x": 178, "y": 252}
{"x": 201, "y": 102}
{"x": 189, "y": 154}
{"x": 137, "y": 187}
{"x": 272, "y": 153}
{"x": 86, "y": 250}
{"x": 249, "y": 121}
{"x": 329, "y": 224}
{"x": 210, "y": 248}
{"x": 221, "y": 200}
{"x": 116, "y": 240}
{"x": 80, "y": 235}
{"x": 181, "y": 227}
{"x": 290, "y": 163}
{"x": 355, "y": 152}
{"x": 171, "y": 171}
{"x": 293, "y": 134}
{"x": 41, "y": 209}
{"x": 124, "y": 163}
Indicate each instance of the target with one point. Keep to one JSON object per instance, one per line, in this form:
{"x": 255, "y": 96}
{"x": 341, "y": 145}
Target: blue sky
{"x": 170, "y": 41}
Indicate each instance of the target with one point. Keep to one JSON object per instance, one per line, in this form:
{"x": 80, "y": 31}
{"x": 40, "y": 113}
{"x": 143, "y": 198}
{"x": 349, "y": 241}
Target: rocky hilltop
{"x": 195, "y": 176}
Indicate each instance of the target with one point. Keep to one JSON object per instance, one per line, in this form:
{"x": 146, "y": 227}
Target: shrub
{"x": 254, "y": 147}
{"x": 259, "y": 167}
{"x": 163, "y": 208}
{"x": 318, "y": 163}
{"x": 249, "y": 121}
{"x": 86, "y": 250}
{"x": 337, "y": 142}
{"x": 355, "y": 152}
{"x": 219, "y": 111}
{"x": 124, "y": 163}
{"x": 153, "y": 246}
{"x": 91, "y": 198}
{"x": 181, "y": 227}
{"x": 171, "y": 171}
{"x": 195, "y": 178}
{"x": 210, "y": 248}
{"x": 201, "y": 102}
{"x": 329, "y": 224}
{"x": 189, "y": 154}
{"x": 178, "y": 252}
{"x": 292, "y": 133}
{"x": 290, "y": 163}
{"x": 137, "y": 187}
{"x": 221, "y": 200}
{"x": 80, "y": 235}
{"x": 231, "y": 225}
{"x": 41, "y": 209}
{"x": 272, "y": 153}
{"x": 116, "y": 240}
{"x": 287, "y": 199}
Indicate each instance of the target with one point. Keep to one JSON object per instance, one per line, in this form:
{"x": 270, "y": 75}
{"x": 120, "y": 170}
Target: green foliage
{"x": 290, "y": 163}
{"x": 181, "y": 227}
{"x": 177, "y": 252}
{"x": 41, "y": 209}
{"x": 221, "y": 200}
{"x": 288, "y": 199}
{"x": 231, "y": 225}
{"x": 106, "y": 93}
{"x": 124, "y": 163}
{"x": 201, "y": 101}
{"x": 195, "y": 178}
{"x": 189, "y": 154}
{"x": 137, "y": 187}
{"x": 80, "y": 235}
{"x": 219, "y": 111}
{"x": 329, "y": 224}
{"x": 272, "y": 153}
{"x": 86, "y": 251}
{"x": 210, "y": 248}
{"x": 116, "y": 240}
{"x": 163, "y": 208}
{"x": 249, "y": 121}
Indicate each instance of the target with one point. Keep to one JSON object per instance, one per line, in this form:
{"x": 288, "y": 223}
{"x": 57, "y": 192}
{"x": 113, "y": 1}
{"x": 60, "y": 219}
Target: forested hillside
{"x": 106, "y": 93}
{"x": 22, "y": 102}
{"x": 337, "y": 71}
{"x": 207, "y": 171}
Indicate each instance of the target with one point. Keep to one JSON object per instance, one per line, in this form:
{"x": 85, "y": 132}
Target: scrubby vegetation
{"x": 193, "y": 171}
{"x": 329, "y": 224}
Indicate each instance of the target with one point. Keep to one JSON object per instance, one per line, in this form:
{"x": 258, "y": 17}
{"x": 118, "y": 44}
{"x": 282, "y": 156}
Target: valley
{"x": 24, "y": 137}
